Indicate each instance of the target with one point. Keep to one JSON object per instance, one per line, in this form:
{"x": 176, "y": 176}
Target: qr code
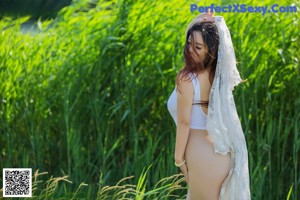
{"x": 17, "y": 182}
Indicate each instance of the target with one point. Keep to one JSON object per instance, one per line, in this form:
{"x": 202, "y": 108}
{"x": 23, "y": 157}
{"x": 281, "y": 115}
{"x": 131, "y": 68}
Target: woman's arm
{"x": 184, "y": 108}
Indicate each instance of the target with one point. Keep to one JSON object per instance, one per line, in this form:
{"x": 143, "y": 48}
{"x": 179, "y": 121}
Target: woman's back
{"x": 205, "y": 87}
{"x": 201, "y": 91}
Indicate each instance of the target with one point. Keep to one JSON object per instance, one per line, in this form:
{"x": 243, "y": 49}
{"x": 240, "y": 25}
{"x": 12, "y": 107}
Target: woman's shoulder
{"x": 185, "y": 81}
{"x": 186, "y": 77}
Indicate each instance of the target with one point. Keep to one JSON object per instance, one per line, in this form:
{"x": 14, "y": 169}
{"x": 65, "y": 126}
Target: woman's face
{"x": 200, "y": 47}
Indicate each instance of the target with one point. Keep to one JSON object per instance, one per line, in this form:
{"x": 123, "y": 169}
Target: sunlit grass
{"x": 164, "y": 189}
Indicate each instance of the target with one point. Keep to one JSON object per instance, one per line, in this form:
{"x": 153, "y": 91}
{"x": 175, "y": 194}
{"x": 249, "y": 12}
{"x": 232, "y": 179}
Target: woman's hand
{"x": 206, "y": 17}
{"x": 184, "y": 170}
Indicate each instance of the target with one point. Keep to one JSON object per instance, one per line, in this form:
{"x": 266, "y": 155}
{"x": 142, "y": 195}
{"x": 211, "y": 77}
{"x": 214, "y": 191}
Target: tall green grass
{"x": 85, "y": 95}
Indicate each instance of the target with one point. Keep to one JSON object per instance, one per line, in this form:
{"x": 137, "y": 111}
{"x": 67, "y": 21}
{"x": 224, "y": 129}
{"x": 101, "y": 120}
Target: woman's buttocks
{"x": 201, "y": 159}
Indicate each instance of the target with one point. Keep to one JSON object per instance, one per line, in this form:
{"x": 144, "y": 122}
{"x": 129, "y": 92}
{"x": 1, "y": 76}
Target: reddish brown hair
{"x": 211, "y": 41}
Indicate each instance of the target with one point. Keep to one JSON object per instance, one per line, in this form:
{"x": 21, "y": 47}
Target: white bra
{"x": 198, "y": 117}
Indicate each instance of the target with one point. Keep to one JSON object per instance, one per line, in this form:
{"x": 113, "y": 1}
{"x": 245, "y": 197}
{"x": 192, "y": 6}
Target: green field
{"x": 83, "y": 99}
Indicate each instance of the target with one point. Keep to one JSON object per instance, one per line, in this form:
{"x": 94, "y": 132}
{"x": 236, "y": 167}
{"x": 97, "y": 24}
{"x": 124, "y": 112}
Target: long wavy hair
{"x": 210, "y": 37}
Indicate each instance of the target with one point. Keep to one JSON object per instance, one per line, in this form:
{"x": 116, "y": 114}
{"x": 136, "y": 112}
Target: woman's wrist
{"x": 179, "y": 164}
{"x": 179, "y": 160}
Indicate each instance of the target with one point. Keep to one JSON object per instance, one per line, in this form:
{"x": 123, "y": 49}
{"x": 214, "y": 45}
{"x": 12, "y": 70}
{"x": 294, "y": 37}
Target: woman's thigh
{"x": 206, "y": 169}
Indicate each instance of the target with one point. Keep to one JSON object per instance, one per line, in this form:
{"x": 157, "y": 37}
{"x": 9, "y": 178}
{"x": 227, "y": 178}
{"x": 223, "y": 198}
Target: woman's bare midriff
{"x": 200, "y": 133}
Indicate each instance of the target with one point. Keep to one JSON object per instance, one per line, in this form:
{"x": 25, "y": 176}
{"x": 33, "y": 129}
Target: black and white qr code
{"x": 17, "y": 182}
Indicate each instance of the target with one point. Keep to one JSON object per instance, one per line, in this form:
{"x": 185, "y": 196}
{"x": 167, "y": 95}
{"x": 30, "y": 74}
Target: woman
{"x": 210, "y": 146}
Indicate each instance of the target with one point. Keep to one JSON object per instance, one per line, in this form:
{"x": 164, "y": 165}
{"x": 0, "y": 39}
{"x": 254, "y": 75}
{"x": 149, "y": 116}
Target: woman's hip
{"x": 200, "y": 155}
